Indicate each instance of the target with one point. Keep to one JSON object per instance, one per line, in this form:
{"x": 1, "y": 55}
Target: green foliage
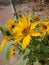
{"x": 4, "y": 30}
{"x": 23, "y": 59}
{"x": 6, "y": 51}
{"x": 36, "y": 63}
{"x": 37, "y": 50}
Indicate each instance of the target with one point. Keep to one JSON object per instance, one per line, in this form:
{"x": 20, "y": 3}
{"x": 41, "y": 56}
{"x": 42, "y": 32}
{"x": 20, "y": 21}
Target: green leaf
{"x": 17, "y": 51}
{"x": 6, "y": 51}
{"x": 4, "y": 30}
{"x": 44, "y": 48}
{"x": 36, "y": 63}
{"x": 21, "y": 61}
{"x": 47, "y": 62}
{"x": 27, "y": 51}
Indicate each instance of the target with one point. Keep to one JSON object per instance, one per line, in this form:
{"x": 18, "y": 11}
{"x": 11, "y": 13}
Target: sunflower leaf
{"x": 36, "y": 63}
{"x": 4, "y": 30}
{"x": 21, "y": 61}
{"x": 6, "y": 51}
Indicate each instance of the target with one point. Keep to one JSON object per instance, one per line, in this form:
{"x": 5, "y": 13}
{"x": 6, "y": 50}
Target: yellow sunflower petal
{"x": 45, "y": 23}
{"x": 9, "y": 24}
{"x": 48, "y": 31}
{"x": 18, "y": 38}
{"x": 26, "y": 41}
{"x": 20, "y": 22}
{"x": 18, "y": 35}
{"x": 42, "y": 30}
{"x": 34, "y": 24}
{"x": 16, "y": 30}
{"x": 20, "y": 25}
{"x": 25, "y": 20}
{"x": 33, "y": 33}
{"x": 28, "y": 20}
{"x": 6, "y": 38}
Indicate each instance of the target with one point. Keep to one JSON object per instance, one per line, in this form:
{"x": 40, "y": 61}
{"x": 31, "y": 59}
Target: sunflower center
{"x": 13, "y": 26}
{"x": 26, "y": 31}
{"x": 44, "y": 27}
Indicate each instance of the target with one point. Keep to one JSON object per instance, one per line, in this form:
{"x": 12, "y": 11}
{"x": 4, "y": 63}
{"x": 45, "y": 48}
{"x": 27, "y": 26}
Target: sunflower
{"x": 5, "y": 39}
{"x": 10, "y": 24}
{"x": 24, "y": 30}
{"x": 44, "y": 28}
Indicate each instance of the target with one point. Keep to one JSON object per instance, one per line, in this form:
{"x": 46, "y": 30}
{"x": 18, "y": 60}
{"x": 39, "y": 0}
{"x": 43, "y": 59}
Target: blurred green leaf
{"x": 4, "y": 30}
{"x": 44, "y": 48}
{"x": 36, "y": 63}
{"x": 47, "y": 62}
{"x": 6, "y": 51}
{"x": 27, "y": 51}
{"x": 21, "y": 61}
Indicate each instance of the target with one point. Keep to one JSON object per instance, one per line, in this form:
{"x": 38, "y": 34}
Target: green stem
{"x": 13, "y": 5}
{"x": 18, "y": 46}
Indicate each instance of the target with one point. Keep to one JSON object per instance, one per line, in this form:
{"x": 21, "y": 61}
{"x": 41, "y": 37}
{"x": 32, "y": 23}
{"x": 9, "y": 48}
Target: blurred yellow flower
{"x": 24, "y": 30}
{"x": 10, "y": 24}
{"x": 44, "y": 28}
{"x": 5, "y": 39}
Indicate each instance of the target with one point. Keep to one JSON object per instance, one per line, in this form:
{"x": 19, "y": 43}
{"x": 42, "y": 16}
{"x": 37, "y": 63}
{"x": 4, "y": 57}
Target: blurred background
{"x": 5, "y": 14}
{"x": 37, "y": 7}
